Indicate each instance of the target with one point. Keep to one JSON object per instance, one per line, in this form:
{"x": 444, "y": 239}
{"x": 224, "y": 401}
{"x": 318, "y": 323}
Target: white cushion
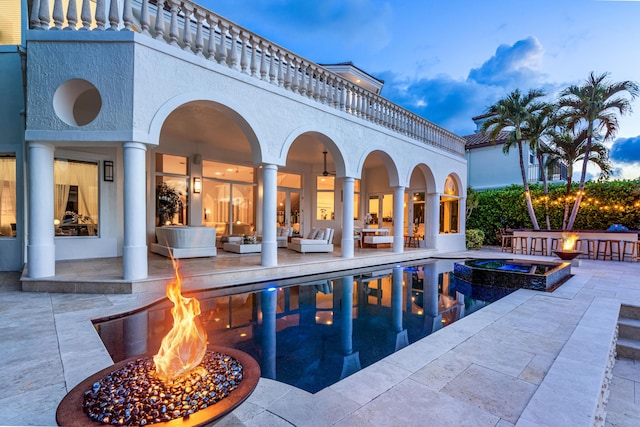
{"x": 308, "y": 241}
{"x": 320, "y": 234}
{"x": 312, "y": 233}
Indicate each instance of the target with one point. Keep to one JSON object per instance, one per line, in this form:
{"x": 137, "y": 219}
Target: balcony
{"x": 202, "y": 33}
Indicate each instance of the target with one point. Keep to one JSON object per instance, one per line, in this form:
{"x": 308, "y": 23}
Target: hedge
{"x": 603, "y": 204}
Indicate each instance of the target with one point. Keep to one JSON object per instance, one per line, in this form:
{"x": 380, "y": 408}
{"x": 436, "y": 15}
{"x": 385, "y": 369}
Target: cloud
{"x": 442, "y": 100}
{"x": 452, "y": 103}
{"x": 512, "y": 66}
{"x": 626, "y": 150}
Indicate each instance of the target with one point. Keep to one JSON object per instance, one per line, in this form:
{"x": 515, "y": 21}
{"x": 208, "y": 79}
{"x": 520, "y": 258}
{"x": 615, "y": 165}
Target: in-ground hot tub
{"x": 185, "y": 241}
{"x": 513, "y": 274}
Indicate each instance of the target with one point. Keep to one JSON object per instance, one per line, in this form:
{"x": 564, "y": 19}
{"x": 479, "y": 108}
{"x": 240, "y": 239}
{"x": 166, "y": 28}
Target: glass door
{"x": 381, "y": 210}
{"x": 289, "y": 209}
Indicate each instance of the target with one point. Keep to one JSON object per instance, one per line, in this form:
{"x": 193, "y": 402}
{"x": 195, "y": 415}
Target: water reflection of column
{"x": 402, "y": 339}
{"x": 461, "y": 307}
{"x": 269, "y": 299}
{"x": 136, "y": 328}
{"x": 432, "y": 319}
{"x": 351, "y": 360}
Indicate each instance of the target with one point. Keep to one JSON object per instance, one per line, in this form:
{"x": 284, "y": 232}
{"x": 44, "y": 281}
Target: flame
{"x": 569, "y": 241}
{"x": 183, "y": 348}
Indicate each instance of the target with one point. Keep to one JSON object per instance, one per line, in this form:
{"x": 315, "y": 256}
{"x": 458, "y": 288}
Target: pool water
{"x": 510, "y": 265}
{"x": 314, "y": 331}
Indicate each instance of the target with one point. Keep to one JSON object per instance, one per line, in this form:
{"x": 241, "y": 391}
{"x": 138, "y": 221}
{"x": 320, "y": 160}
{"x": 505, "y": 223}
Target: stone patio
{"x": 530, "y": 359}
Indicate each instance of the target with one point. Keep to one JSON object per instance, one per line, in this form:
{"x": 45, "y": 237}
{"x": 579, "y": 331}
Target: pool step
{"x": 628, "y": 345}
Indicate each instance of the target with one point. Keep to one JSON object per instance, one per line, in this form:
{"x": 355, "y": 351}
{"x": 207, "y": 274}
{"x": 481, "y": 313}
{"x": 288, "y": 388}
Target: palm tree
{"x": 593, "y": 106}
{"x": 569, "y": 148}
{"x": 513, "y": 113}
{"x": 537, "y": 126}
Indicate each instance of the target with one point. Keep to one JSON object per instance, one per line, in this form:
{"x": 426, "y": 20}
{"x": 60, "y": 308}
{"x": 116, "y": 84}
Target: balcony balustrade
{"x": 192, "y": 28}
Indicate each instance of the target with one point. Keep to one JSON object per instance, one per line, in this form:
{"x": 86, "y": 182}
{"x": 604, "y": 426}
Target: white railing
{"x": 192, "y": 28}
{"x": 557, "y": 173}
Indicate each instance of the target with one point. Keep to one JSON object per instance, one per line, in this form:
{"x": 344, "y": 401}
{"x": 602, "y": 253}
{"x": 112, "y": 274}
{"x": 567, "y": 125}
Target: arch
{"x": 329, "y": 142}
{"x": 462, "y": 190}
{"x": 229, "y": 107}
{"x": 427, "y": 173}
{"x": 387, "y": 160}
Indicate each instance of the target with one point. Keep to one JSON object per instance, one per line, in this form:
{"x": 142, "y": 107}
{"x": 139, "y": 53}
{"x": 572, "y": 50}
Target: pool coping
{"x": 557, "y": 400}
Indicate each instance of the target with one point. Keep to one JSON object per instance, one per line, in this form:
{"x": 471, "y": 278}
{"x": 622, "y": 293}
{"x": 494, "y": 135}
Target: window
{"x": 171, "y": 189}
{"x": 10, "y": 31}
{"x": 228, "y": 197}
{"x": 449, "y": 207}
{"x": 325, "y": 199}
{"x": 417, "y": 223}
{"x": 75, "y": 198}
{"x": 356, "y": 199}
{"x": 288, "y": 199}
{"x": 7, "y": 195}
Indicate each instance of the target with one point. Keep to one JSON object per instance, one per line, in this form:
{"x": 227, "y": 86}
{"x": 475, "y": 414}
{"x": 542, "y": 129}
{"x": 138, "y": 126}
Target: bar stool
{"x": 589, "y": 245}
{"x": 607, "y": 248}
{"x": 506, "y": 242}
{"x": 519, "y": 243}
{"x": 534, "y": 246}
{"x": 633, "y": 253}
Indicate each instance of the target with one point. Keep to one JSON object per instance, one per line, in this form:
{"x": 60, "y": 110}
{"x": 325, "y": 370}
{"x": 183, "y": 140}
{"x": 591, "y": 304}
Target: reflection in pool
{"x": 319, "y": 330}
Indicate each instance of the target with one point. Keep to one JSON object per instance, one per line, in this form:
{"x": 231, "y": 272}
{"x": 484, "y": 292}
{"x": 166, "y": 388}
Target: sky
{"x": 449, "y": 60}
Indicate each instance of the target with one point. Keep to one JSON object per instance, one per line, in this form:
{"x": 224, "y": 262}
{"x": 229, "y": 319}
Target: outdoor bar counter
{"x": 593, "y": 241}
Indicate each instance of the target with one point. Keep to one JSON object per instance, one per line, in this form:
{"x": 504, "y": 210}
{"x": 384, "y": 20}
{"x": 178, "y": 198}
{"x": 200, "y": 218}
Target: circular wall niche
{"x": 77, "y": 102}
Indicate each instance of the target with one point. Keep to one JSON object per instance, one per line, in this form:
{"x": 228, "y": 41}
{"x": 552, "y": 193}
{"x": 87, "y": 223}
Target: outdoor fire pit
{"x": 567, "y": 255}
{"x": 119, "y": 382}
{"x": 187, "y": 383}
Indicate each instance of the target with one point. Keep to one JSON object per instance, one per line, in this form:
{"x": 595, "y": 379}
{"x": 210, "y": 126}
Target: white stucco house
{"x": 106, "y": 103}
{"x": 489, "y": 167}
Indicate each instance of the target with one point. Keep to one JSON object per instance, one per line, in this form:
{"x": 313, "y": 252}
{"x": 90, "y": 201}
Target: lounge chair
{"x": 319, "y": 240}
{"x": 282, "y": 237}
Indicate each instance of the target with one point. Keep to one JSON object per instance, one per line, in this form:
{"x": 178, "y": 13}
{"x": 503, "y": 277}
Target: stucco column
{"x": 398, "y": 219}
{"x": 432, "y": 223}
{"x": 41, "y": 250}
{"x": 269, "y": 215}
{"x": 347, "y": 217}
{"x": 462, "y": 215}
{"x": 134, "y": 251}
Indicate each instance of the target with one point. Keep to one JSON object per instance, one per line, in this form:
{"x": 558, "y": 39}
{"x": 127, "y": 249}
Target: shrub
{"x": 605, "y": 203}
{"x": 475, "y": 238}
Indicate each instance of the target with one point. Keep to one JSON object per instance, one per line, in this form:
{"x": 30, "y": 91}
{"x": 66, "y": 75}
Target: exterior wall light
{"x": 197, "y": 185}
{"x": 108, "y": 170}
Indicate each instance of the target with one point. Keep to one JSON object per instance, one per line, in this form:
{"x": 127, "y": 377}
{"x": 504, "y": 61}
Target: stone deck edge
{"x": 575, "y": 390}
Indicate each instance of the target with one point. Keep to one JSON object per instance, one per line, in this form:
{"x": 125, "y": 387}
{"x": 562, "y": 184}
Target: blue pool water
{"x": 314, "y": 331}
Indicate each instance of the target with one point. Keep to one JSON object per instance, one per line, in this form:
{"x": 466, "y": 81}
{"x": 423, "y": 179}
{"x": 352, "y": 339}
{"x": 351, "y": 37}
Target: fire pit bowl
{"x": 70, "y": 411}
{"x": 566, "y": 255}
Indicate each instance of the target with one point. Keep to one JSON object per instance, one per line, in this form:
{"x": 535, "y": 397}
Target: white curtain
{"x": 7, "y": 195}
{"x": 86, "y": 175}
{"x": 62, "y": 180}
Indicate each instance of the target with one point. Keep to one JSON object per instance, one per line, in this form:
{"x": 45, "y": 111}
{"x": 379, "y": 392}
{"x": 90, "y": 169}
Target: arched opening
{"x": 450, "y": 207}
{"x": 205, "y": 143}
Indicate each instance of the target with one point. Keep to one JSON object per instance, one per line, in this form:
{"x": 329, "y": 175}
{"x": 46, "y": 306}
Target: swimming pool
{"x": 311, "y": 332}
{"x": 513, "y": 274}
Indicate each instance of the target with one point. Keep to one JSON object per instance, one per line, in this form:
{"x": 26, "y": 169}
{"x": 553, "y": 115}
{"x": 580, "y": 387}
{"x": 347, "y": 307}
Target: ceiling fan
{"x": 325, "y": 172}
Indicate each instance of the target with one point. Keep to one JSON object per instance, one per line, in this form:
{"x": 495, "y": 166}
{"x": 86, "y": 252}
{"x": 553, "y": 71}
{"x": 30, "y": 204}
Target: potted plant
{"x": 168, "y": 203}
